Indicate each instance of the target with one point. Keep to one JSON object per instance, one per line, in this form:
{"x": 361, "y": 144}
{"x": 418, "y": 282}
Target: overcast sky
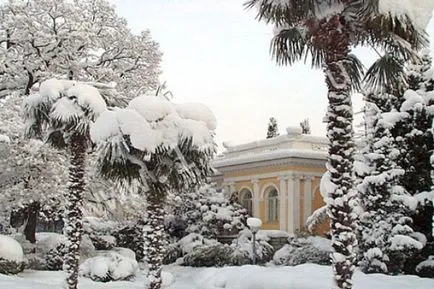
{"x": 215, "y": 52}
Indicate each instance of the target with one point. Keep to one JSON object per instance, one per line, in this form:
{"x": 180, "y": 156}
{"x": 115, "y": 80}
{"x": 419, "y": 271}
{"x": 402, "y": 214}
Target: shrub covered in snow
{"x": 426, "y": 268}
{"x": 205, "y": 211}
{"x": 110, "y": 267}
{"x": 215, "y": 255}
{"x": 243, "y": 246}
{"x": 314, "y": 250}
{"x": 210, "y": 253}
{"x": 49, "y": 250}
{"x": 104, "y": 242}
{"x": 173, "y": 253}
{"x": 131, "y": 237}
{"x": 11, "y": 256}
{"x": 99, "y": 231}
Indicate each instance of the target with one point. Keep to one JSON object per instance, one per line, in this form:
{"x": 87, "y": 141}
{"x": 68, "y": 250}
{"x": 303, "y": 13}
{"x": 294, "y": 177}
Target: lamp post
{"x": 254, "y": 225}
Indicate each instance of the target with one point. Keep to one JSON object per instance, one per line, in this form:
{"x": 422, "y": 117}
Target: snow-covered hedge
{"x": 112, "y": 266}
{"x": 100, "y": 232}
{"x": 426, "y": 268}
{"x": 131, "y": 236}
{"x": 314, "y": 250}
{"x": 48, "y": 251}
{"x": 209, "y": 253}
{"x": 11, "y": 256}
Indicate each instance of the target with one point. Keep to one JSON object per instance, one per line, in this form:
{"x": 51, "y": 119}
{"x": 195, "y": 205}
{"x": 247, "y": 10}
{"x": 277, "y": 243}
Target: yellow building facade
{"x": 277, "y": 179}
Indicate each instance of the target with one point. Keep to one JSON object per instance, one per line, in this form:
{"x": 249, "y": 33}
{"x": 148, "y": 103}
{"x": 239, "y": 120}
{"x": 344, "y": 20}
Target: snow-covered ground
{"x": 307, "y": 276}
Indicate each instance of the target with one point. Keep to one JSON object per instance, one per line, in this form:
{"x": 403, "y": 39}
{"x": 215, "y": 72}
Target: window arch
{"x": 246, "y": 200}
{"x": 272, "y": 205}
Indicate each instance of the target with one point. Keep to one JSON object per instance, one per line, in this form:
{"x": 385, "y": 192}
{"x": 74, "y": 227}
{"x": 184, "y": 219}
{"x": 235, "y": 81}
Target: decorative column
{"x": 256, "y": 197}
{"x": 282, "y": 201}
{"x": 229, "y": 188}
{"x": 307, "y": 197}
{"x": 293, "y": 203}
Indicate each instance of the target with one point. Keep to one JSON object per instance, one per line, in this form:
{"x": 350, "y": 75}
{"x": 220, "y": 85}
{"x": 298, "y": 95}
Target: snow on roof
{"x": 294, "y": 144}
{"x": 270, "y": 155}
{"x": 277, "y": 141}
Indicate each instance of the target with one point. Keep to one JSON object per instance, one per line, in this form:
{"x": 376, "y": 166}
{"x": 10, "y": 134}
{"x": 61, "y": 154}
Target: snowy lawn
{"x": 307, "y": 276}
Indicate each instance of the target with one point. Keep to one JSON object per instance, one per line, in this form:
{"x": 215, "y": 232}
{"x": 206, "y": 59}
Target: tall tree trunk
{"x": 73, "y": 215}
{"x": 32, "y": 217}
{"x": 155, "y": 238}
{"x": 341, "y": 153}
{"x": 30, "y": 82}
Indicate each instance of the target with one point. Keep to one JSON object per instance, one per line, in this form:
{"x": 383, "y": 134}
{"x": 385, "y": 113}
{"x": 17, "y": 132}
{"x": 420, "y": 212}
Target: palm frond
{"x": 355, "y": 69}
{"x": 116, "y": 163}
{"x": 387, "y": 72}
{"x": 279, "y": 12}
{"x": 394, "y": 35}
{"x": 293, "y": 44}
{"x": 35, "y": 116}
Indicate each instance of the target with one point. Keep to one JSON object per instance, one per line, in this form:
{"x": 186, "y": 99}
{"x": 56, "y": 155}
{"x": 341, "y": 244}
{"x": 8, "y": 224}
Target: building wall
{"x": 308, "y": 179}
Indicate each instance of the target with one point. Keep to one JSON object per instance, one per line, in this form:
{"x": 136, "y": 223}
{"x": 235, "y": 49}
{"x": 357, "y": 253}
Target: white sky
{"x": 215, "y": 52}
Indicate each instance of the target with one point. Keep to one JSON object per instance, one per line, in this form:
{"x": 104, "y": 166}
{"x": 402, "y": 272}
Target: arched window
{"x": 272, "y": 205}
{"x": 246, "y": 201}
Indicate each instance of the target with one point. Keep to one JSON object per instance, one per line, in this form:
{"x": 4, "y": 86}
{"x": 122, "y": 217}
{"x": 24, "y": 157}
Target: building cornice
{"x": 293, "y": 161}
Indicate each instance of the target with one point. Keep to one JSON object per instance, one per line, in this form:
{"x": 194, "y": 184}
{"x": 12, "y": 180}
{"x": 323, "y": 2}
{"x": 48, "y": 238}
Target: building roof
{"x": 293, "y": 147}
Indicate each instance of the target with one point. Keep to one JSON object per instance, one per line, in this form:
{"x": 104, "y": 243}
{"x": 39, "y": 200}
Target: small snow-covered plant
{"x": 215, "y": 255}
{"x": 66, "y": 109}
{"x": 131, "y": 236}
{"x": 311, "y": 249}
{"x": 11, "y": 256}
{"x": 210, "y": 213}
{"x": 426, "y": 267}
{"x": 164, "y": 147}
{"x": 99, "y": 231}
{"x": 243, "y": 250}
{"x": 109, "y": 267}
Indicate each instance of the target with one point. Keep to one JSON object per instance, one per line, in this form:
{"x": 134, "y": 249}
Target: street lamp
{"x": 254, "y": 225}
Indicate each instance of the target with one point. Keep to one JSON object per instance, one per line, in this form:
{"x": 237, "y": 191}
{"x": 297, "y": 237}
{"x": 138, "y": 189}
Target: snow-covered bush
{"x": 49, "y": 250}
{"x": 205, "y": 211}
{"x": 109, "y": 267}
{"x": 201, "y": 252}
{"x": 216, "y": 255}
{"x": 189, "y": 243}
{"x": 99, "y": 231}
{"x": 426, "y": 268}
{"x": 130, "y": 236}
{"x": 173, "y": 253}
{"x": 243, "y": 246}
{"x": 314, "y": 250}
{"x": 104, "y": 242}
{"x": 11, "y": 256}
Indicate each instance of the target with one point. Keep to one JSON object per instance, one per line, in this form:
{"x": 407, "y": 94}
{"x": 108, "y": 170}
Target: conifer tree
{"x": 305, "y": 126}
{"x": 385, "y": 226}
{"x": 416, "y": 139}
{"x": 272, "y": 130}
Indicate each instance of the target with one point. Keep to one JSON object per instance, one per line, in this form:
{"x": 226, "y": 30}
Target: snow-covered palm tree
{"x": 63, "y": 111}
{"x": 162, "y": 145}
{"x": 326, "y": 30}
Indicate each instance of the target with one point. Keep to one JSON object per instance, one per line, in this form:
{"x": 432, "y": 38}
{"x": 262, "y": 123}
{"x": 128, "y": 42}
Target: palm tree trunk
{"x": 73, "y": 219}
{"x": 154, "y": 238}
{"x": 32, "y": 218}
{"x": 341, "y": 154}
